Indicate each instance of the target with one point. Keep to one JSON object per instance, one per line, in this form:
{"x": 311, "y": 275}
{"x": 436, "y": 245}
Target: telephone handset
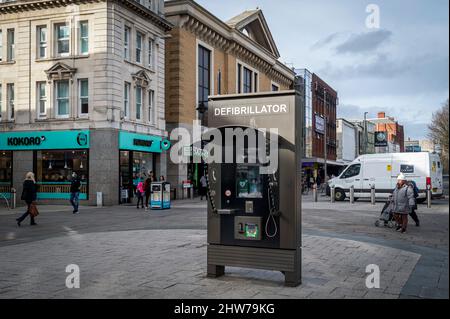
{"x": 208, "y": 188}
{"x": 273, "y": 209}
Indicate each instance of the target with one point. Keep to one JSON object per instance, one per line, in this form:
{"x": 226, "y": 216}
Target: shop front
{"x": 139, "y": 157}
{"x": 54, "y": 155}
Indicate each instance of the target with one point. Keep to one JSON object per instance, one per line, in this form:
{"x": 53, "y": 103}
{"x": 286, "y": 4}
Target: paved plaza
{"x": 123, "y": 252}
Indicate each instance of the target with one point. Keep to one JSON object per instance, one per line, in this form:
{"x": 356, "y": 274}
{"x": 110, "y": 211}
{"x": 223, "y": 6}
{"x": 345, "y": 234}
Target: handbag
{"x": 33, "y": 210}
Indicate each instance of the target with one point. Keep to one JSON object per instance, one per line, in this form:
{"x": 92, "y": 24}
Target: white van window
{"x": 352, "y": 171}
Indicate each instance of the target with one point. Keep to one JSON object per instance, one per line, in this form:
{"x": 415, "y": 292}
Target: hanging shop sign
{"x": 142, "y": 143}
{"x": 44, "y": 140}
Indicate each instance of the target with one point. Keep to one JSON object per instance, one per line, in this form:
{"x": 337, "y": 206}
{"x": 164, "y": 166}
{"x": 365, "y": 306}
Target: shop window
{"x": 54, "y": 172}
{"x": 5, "y": 173}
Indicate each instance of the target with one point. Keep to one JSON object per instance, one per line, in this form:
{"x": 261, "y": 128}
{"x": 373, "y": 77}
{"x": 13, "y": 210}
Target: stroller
{"x": 387, "y": 215}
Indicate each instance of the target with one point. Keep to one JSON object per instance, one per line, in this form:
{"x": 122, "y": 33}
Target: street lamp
{"x": 365, "y": 132}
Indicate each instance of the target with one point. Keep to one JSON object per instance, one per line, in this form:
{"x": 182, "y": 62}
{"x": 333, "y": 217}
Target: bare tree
{"x": 439, "y": 133}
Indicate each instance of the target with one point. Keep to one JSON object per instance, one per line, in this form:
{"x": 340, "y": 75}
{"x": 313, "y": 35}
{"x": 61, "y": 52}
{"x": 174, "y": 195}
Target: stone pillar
{"x": 104, "y": 166}
{"x": 22, "y": 164}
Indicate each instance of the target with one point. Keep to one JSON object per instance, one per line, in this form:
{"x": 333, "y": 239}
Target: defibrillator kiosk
{"x": 254, "y": 206}
{"x": 160, "y": 195}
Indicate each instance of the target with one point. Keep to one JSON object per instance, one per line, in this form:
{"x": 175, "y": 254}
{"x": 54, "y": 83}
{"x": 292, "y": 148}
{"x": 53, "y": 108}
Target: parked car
{"x": 381, "y": 170}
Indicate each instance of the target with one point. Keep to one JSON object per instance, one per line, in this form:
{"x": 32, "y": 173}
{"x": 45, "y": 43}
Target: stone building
{"x": 82, "y": 89}
{"x": 207, "y": 56}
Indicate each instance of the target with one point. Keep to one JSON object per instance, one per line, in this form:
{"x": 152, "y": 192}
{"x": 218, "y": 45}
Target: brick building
{"x": 395, "y": 133}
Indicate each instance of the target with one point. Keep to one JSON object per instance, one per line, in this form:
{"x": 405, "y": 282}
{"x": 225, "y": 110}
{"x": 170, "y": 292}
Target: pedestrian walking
{"x": 203, "y": 186}
{"x": 29, "y": 196}
{"x": 75, "y": 186}
{"x": 413, "y": 213}
{"x": 162, "y": 178}
{"x": 140, "y": 194}
{"x": 403, "y": 202}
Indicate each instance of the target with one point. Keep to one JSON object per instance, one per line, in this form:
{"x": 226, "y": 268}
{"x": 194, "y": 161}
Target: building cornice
{"x": 214, "y": 31}
{"x": 31, "y": 5}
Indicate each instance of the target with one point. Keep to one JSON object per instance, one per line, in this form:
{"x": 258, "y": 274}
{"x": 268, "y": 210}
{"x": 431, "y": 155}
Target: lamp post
{"x": 365, "y": 132}
{"x": 325, "y": 165}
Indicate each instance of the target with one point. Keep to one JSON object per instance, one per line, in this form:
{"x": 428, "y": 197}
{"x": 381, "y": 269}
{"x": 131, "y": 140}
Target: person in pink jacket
{"x": 140, "y": 194}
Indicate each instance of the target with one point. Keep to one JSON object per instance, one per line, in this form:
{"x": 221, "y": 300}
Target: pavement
{"x": 123, "y": 252}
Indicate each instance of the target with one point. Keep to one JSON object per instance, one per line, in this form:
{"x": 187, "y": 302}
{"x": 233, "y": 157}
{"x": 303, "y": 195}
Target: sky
{"x": 401, "y": 68}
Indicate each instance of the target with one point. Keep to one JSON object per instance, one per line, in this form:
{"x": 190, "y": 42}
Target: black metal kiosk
{"x": 254, "y": 214}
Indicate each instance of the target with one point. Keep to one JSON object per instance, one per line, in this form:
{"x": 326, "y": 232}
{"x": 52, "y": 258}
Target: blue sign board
{"x": 142, "y": 143}
{"x": 44, "y": 140}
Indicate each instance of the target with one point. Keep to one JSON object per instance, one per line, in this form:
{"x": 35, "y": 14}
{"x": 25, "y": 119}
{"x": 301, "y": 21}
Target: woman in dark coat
{"x": 28, "y": 195}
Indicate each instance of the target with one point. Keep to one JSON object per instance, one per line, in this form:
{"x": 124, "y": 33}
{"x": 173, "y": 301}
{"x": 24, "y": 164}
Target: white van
{"x": 382, "y": 170}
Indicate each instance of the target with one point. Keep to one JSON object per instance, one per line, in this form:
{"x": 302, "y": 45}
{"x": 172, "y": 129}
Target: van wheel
{"x": 339, "y": 195}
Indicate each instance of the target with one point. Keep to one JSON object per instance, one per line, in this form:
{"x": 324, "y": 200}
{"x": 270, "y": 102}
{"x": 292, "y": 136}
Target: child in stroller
{"x": 387, "y": 215}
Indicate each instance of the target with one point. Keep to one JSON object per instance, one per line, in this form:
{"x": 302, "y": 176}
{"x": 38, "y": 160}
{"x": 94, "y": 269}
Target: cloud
{"x": 325, "y": 42}
{"x": 364, "y": 42}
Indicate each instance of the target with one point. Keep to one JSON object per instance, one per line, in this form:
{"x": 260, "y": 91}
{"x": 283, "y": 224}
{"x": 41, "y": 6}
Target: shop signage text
{"x": 251, "y": 110}
{"x": 44, "y": 140}
{"x": 142, "y": 143}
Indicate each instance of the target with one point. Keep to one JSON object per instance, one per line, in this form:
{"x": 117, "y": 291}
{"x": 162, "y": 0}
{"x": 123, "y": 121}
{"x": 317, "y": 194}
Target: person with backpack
{"x": 403, "y": 202}
{"x": 75, "y": 185}
{"x": 413, "y": 213}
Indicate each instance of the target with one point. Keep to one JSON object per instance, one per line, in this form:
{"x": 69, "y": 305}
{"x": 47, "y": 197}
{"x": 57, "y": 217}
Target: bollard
{"x": 315, "y": 192}
{"x": 333, "y": 193}
{"x": 352, "y": 194}
{"x": 429, "y": 196}
{"x": 13, "y": 198}
{"x": 372, "y": 194}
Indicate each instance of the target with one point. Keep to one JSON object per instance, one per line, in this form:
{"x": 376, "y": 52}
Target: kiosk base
{"x": 287, "y": 261}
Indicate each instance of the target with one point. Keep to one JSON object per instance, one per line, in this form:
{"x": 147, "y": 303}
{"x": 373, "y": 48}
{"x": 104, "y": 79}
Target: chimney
{"x": 381, "y": 115}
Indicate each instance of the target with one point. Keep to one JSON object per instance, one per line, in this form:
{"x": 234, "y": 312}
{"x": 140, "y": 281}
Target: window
{"x": 352, "y": 171}
{"x": 204, "y": 75}
{"x": 1, "y": 105}
{"x": 247, "y": 81}
{"x": 275, "y": 88}
{"x": 1, "y": 46}
{"x": 219, "y": 83}
{"x": 255, "y": 89}
{"x": 42, "y": 42}
{"x": 62, "y": 98}
{"x": 84, "y": 37}
{"x": 126, "y": 99}
{"x": 41, "y": 99}
{"x": 10, "y": 100}
{"x": 62, "y": 38}
{"x": 151, "y": 103}
{"x": 10, "y": 45}
{"x": 239, "y": 78}
{"x": 126, "y": 44}
{"x": 84, "y": 96}
{"x": 138, "y": 47}
{"x": 138, "y": 102}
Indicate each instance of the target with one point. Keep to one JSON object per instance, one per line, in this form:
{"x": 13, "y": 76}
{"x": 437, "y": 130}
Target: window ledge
{"x": 68, "y": 119}
{"x": 84, "y": 56}
{"x": 7, "y": 62}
